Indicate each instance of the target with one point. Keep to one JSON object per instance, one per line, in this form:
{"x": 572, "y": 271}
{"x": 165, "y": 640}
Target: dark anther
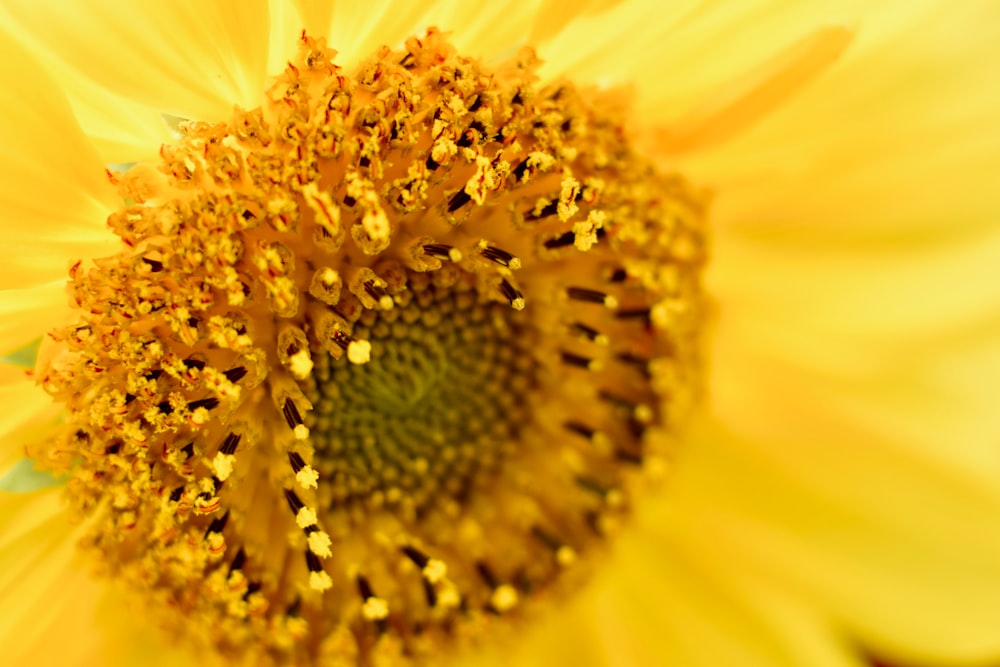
{"x": 580, "y": 429}
{"x": 194, "y": 363}
{"x": 566, "y": 125}
{"x": 310, "y": 529}
{"x": 633, "y": 314}
{"x": 517, "y": 99}
{"x": 154, "y": 265}
{"x": 247, "y": 215}
{"x": 625, "y": 456}
{"x": 165, "y": 408}
{"x": 520, "y": 170}
{"x": 218, "y": 524}
{"x": 641, "y": 364}
{"x": 588, "y": 295}
{"x": 364, "y": 587}
{"x": 419, "y": 558}
{"x": 312, "y": 562}
{"x": 546, "y": 538}
{"x": 230, "y": 444}
{"x": 487, "y": 574}
{"x": 438, "y": 250}
{"x": 129, "y": 398}
{"x": 293, "y": 609}
{"x": 296, "y": 461}
{"x": 349, "y": 200}
{"x": 431, "y": 164}
{"x": 458, "y": 200}
{"x": 208, "y": 403}
{"x": 476, "y": 104}
{"x": 235, "y": 374}
{"x": 293, "y": 501}
{"x": 238, "y": 560}
{"x": 587, "y": 332}
{"x": 364, "y": 161}
{"x": 343, "y": 341}
{"x": 374, "y": 291}
{"x": 592, "y": 485}
{"x": 498, "y": 255}
{"x": 193, "y": 322}
{"x": 509, "y": 292}
{"x": 291, "y": 413}
{"x": 617, "y": 276}
{"x": 430, "y": 593}
{"x": 153, "y": 375}
{"x": 617, "y": 401}
{"x": 561, "y": 241}
{"x": 549, "y": 209}
{"x": 575, "y": 360}
{"x": 252, "y": 587}
{"x": 176, "y": 494}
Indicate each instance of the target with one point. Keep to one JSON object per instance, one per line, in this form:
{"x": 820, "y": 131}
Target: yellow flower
{"x": 836, "y": 496}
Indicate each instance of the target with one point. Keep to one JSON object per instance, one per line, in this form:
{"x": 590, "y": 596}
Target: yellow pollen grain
{"x": 504, "y": 598}
{"x": 375, "y": 609}
{"x": 307, "y": 477}
{"x": 319, "y": 544}
{"x": 305, "y": 517}
{"x": 300, "y": 364}
{"x": 301, "y": 432}
{"x": 223, "y": 465}
{"x": 359, "y": 352}
{"x": 448, "y": 596}
{"x": 320, "y": 581}
{"x": 435, "y": 571}
{"x": 565, "y": 556}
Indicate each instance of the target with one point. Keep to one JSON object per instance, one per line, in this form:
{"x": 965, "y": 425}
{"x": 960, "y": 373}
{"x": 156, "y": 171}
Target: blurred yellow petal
{"x": 880, "y": 534}
{"x": 42, "y": 570}
{"x": 27, "y": 313}
{"x": 56, "y": 195}
{"x": 27, "y": 406}
{"x": 191, "y": 58}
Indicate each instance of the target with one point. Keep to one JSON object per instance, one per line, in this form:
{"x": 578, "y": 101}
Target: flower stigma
{"x": 383, "y": 362}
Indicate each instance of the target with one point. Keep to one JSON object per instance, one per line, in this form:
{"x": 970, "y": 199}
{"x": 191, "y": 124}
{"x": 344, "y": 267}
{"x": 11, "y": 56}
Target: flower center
{"x": 439, "y": 405}
{"x": 382, "y": 360}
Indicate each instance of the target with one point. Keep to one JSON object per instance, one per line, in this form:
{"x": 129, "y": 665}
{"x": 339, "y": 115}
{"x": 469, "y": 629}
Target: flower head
{"x": 381, "y": 358}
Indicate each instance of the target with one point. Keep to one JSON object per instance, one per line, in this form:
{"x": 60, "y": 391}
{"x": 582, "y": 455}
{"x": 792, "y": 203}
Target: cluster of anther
{"x": 380, "y": 356}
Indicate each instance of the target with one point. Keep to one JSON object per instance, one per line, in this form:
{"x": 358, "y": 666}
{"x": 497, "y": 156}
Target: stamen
{"x": 592, "y": 296}
{"x": 513, "y": 296}
{"x": 498, "y": 255}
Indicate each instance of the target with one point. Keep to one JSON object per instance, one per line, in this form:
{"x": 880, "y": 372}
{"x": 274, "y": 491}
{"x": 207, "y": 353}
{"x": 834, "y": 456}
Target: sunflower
{"x": 393, "y": 351}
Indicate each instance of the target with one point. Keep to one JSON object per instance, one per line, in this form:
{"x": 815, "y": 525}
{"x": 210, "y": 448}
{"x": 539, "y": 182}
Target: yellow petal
{"x": 55, "y": 596}
{"x": 28, "y": 411}
{"x": 26, "y": 314}
{"x": 56, "y": 195}
{"x": 192, "y": 58}
{"x": 899, "y": 549}
{"x": 757, "y": 92}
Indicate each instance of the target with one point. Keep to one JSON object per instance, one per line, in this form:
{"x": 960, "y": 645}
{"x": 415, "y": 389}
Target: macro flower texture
{"x": 537, "y": 333}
